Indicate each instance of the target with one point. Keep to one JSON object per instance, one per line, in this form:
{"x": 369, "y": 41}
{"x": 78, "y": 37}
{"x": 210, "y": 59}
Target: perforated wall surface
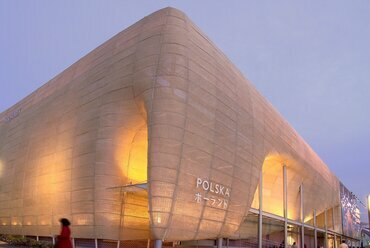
{"x": 158, "y": 103}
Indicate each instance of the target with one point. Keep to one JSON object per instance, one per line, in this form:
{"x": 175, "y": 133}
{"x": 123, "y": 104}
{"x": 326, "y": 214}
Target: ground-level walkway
{"x": 5, "y": 245}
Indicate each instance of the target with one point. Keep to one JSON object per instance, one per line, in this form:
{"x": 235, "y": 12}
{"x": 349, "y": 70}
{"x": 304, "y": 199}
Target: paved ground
{"x": 5, "y": 245}
{"x": 11, "y": 246}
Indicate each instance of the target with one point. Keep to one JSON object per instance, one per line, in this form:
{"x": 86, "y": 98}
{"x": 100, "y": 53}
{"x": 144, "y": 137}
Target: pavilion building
{"x": 155, "y": 136}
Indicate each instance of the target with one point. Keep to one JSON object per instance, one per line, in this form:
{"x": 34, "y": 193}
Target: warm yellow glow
{"x": 138, "y": 162}
{"x": 273, "y": 186}
{"x": 291, "y": 240}
{"x": 368, "y": 202}
{"x": 272, "y": 191}
{"x": 81, "y": 222}
{"x": 132, "y": 155}
{"x": 275, "y": 160}
{"x": 308, "y": 218}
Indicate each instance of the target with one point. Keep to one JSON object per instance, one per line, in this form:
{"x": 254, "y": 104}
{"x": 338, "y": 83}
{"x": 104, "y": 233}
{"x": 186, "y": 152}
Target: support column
{"x": 219, "y": 242}
{"x": 326, "y": 220}
{"x": 158, "y": 243}
{"x": 96, "y": 243}
{"x": 333, "y": 219}
{"x": 326, "y": 229}
{"x": 302, "y": 217}
{"x": 315, "y": 226}
{"x": 285, "y": 190}
{"x": 122, "y": 196}
{"x": 260, "y": 212}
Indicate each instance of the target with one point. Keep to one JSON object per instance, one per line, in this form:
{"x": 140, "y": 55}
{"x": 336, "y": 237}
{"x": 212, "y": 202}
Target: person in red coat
{"x": 64, "y": 239}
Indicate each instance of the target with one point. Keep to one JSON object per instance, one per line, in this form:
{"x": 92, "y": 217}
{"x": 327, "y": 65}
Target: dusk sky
{"x": 310, "y": 59}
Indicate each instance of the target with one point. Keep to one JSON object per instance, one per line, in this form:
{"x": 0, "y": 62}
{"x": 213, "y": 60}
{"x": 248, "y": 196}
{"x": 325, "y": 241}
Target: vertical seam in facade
{"x": 183, "y": 134}
{"x": 72, "y": 158}
{"x": 24, "y": 179}
{"x": 233, "y": 174}
{"x": 210, "y": 171}
{"x": 149, "y": 121}
{"x": 123, "y": 194}
{"x": 94, "y": 188}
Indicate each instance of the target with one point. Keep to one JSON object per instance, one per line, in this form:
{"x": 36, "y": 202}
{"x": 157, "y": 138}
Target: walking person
{"x": 343, "y": 244}
{"x": 64, "y": 239}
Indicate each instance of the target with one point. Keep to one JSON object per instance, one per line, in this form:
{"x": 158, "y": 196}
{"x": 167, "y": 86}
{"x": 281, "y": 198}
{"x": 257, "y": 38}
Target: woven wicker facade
{"x": 157, "y": 104}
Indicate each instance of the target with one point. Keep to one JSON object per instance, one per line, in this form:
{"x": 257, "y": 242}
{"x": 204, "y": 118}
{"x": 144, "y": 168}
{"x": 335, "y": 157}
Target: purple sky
{"x": 311, "y": 59}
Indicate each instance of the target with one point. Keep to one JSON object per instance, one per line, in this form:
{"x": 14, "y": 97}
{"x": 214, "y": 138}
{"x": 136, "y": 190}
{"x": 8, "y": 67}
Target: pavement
{"x": 5, "y": 245}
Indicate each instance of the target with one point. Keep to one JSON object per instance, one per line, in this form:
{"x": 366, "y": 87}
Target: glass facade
{"x": 321, "y": 239}
{"x": 247, "y": 235}
{"x": 309, "y": 237}
{"x": 338, "y": 241}
{"x": 272, "y": 232}
{"x": 281, "y": 217}
{"x": 330, "y": 239}
{"x": 294, "y": 236}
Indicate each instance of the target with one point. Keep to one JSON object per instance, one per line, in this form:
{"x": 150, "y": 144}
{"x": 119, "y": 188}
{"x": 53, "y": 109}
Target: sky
{"x": 309, "y": 58}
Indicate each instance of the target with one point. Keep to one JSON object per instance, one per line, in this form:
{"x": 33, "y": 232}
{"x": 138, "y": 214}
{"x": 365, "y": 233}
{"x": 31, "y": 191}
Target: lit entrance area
{"x": 286, "y": 212}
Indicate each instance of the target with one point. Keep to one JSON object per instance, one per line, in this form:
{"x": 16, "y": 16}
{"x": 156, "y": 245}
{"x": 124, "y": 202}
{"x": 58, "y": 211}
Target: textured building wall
{"x": 73, "y": 139}
{"x": 198, "y": 115}
{"x": 206, "y": 120}
{"x": 158, "y": 103}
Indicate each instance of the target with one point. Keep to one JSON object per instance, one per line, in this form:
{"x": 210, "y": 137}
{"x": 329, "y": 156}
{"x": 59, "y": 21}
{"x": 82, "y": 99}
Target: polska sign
{"x": 213, "y": 187}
